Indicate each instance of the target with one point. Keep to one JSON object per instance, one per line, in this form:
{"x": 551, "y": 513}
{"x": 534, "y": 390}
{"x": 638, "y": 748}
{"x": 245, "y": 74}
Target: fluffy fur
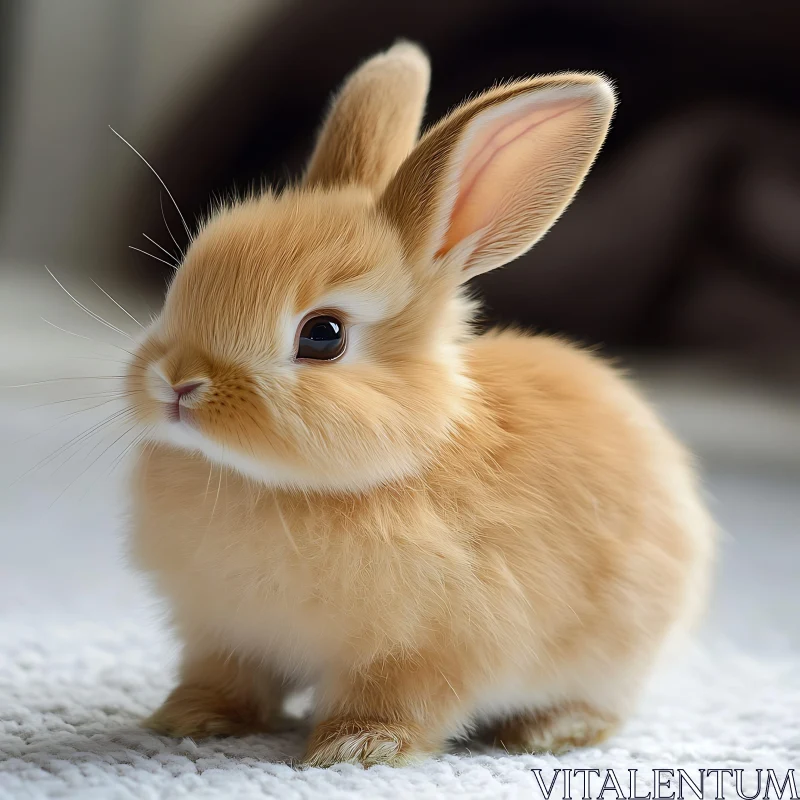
{"x": 436, "y": 530}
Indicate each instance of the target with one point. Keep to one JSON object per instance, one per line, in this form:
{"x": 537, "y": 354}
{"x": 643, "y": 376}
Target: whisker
{"x": 148, "y": 448}
{"x": 63, "y": 419}
{"x": 208, "y": 481}
{"x": 166, "y": 224}
{"x": 123, "y": 310}
{"x": 119, "y": 394}
{"x": 137, "y": 440}
{"x": 162, "y": 249}
{"x": 80, "y": 475}
{"x": 123, "y": 415}
{"x": 71, "y": 333}
{"x": 101, "y": 358}
{"x": 92, "y": 314}
{"x": 216, "y": 499}
{"x": 160, "y": 180}
{"x": 88, "y": 339}
{"x": 283, "y": 523}
{"x": 120, "y": 458}
{"x": 58, "y": 380}
{"x": 227, "y": 493}
{"x": 59, "y": 450}
{"x": 163, "y": 261}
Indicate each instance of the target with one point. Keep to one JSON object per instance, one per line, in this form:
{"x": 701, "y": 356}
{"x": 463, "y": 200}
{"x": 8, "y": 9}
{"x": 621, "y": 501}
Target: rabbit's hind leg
{"x": 555, "y": 729}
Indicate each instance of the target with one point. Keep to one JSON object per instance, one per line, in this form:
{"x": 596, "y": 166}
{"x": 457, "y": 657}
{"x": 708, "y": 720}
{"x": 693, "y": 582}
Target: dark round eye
{"x": 321, "y": 338}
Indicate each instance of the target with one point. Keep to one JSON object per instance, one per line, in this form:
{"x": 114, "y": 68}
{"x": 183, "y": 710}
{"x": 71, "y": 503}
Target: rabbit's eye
{"x": 321, "y": 338}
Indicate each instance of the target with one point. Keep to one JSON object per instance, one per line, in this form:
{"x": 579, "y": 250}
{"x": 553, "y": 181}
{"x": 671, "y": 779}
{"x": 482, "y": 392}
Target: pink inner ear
{"x": 504, "y": 153}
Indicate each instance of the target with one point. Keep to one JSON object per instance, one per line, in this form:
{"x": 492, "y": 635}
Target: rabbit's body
{"x": 345, "y": 488}
{"x": 539, "y": 560}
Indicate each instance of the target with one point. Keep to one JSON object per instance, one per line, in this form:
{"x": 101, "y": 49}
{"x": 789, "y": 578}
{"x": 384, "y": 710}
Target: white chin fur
{"x": 182, "y": 435}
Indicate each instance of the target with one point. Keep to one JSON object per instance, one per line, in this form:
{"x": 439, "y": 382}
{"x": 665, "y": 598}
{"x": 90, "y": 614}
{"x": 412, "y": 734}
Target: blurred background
{"x": 680, "y": 257}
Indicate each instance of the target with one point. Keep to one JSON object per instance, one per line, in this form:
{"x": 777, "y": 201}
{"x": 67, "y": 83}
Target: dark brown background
{"x": 686, "y": 235}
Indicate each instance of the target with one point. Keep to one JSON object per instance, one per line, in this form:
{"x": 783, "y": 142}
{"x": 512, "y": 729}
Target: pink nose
{"x": 185, "y": 389}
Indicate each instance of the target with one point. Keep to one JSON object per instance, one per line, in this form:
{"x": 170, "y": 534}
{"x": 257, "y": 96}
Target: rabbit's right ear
{"x": 373, "y": 122}
{"x": 490, "y": 179}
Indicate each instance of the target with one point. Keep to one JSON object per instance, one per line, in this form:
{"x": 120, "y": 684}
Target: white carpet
{"x": 83, "y": 656}
{"x": 71, "y": 692}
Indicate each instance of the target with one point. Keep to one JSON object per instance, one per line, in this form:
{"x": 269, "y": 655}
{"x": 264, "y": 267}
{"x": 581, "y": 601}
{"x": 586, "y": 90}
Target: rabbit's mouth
{"x": 178, "y": 399}
{"x": 177, "y": 412}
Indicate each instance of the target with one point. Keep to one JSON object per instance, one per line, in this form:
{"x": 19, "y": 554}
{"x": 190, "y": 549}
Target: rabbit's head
{"x": 315, "y": 338}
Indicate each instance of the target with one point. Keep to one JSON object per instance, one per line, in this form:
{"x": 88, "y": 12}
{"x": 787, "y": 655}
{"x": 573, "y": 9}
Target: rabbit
{"x": 346, "y": 487}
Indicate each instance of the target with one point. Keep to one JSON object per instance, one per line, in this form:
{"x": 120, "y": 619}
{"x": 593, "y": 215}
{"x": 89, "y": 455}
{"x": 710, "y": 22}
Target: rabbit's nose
{"x": 185, "y": 389}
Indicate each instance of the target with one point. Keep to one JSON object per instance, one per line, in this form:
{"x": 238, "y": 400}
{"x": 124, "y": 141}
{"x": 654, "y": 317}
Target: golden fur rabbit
{"x": 345, "y": 487}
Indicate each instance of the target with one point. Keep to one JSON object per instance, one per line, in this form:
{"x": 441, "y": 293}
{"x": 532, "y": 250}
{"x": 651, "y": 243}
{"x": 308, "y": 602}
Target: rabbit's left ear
{"x": 487, "y": 182}
{"x": 373, "y": 122}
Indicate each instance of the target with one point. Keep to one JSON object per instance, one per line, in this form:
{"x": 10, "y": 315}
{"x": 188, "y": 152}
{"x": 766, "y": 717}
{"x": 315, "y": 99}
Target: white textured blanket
{"x": 83, "y": 657}
{"x": 71, "y": 693}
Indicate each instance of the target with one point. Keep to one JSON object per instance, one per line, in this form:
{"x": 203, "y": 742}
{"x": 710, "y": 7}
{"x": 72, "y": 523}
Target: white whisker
{"x": 216, "y": 499}
{"x": 160, "y": 180}
{"x": 119, "y": 459}
{"x": 122, "y": 415}
{"x": 123, "y": 310}
{"x": 166, "y": 224}
{"x": 98, "y": 357}
{"x": 67, "y": 445}
{"x": 64, "y": 418}
{"x": 139, "y": 249}
{"x": 162, "y": 249}
{"x": 59, "y": 380}
{"x": 109, "y": 393}
{"x": 79, "y": 476}
{"x": 208, "y": 480}
{"x": 71, "y": 333}
{"x": 89, "y": 339}
{"x": 92, "y": 314}
{"x": 138, "y": 440}
{"x": 285, "y": 526}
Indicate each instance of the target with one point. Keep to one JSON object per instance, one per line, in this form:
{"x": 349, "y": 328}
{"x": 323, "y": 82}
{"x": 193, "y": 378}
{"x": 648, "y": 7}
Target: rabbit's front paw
{"x": 366, "y": 742}
{"x": 200, "y": 711}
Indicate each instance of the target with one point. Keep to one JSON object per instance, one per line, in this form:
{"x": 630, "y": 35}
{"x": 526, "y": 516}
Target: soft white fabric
{"x": 83, "y": 657}
{"x": 71, "y": 692}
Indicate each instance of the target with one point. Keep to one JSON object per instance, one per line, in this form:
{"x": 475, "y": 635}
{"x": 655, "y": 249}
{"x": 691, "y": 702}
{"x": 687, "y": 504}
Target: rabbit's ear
{"x": 373, "y": 122}
{"x": 487, "y": 182}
